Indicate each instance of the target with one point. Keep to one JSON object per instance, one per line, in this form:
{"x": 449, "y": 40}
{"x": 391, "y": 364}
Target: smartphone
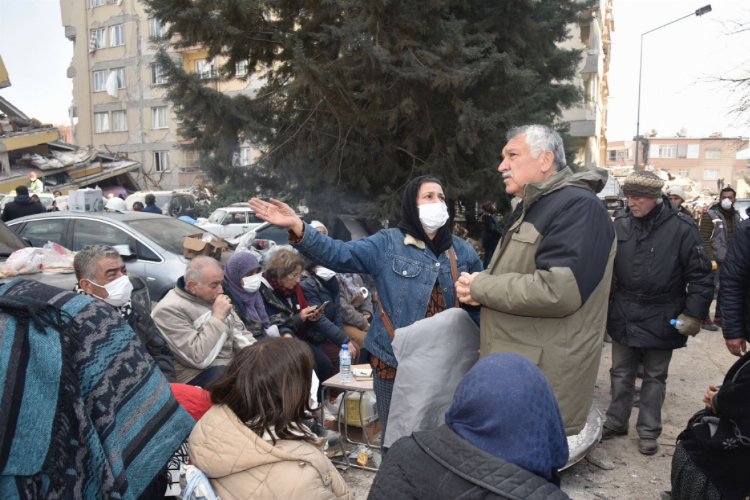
{"x": 322, "y": 307}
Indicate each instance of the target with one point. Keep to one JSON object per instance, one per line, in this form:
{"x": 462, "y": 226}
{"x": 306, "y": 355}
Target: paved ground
{"x": 632, "y": 475}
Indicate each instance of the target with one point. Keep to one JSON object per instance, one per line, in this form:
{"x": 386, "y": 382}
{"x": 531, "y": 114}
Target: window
{"x": 157, "y": 74}
{"x": 92, "y": 232}
{"x": 159, "y": 117}
{"x": 692, "y": 151}
{"x": 713, "y": 153}
{"x": 668, "y": 151}
{"x": 100, "y": 80}
{"x": 97, "y": 38}
{"x": 205, "y": 68}
{"x": 101, "y": 122}
{"x": 710, "y": 174}
{"x": 190, "y": 160}
{"x": 158, "y": 30}
{"x": 120, "y": 74}
{"x": 618, "y": 154}
{"x": 161, "y": 161}
{"x": 116, "y": 36}
{"x": 39, "y": 232}
{"x": 97, "y": 3}
{"x": 241, "y": 68}
{"x": 683, "y": 172}
{"x": 119, "y": 121}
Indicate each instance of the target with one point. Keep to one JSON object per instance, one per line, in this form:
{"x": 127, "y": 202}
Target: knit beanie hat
{"x": 645, "y": 184}
{"x": 677, "y": 191}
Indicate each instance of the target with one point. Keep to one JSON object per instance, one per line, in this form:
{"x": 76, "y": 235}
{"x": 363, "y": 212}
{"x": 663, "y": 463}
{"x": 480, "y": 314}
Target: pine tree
{"x": 358, "y": 96}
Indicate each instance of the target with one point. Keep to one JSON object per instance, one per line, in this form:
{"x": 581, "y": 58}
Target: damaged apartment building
{"x": 27, "y": 145}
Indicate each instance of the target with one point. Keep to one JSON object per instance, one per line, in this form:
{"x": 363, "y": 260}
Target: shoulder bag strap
{"x": 454, "y": 273}
{"x": 384, "y": 316}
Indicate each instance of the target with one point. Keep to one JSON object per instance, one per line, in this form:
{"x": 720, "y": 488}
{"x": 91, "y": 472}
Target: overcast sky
{"x": 680, "y": 65}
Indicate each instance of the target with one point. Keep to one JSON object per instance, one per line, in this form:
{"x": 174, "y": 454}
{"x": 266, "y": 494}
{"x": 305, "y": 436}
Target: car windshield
{"x": 217, "y": 216}
{"x": 168, "y": 233}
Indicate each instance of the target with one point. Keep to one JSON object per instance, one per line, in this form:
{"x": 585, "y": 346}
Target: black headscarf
{"x": 410, "y": 223}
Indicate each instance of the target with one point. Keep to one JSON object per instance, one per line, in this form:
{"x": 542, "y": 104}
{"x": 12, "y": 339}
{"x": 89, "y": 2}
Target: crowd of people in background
{"x": 244, "y": 346}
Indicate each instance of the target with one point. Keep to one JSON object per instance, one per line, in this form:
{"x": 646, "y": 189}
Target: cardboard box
{"x": 85, "y": 200}
{"x": 203, "y": 244}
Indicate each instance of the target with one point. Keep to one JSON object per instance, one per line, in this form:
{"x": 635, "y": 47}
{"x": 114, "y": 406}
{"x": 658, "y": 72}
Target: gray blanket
{"x": 433, "y": 356}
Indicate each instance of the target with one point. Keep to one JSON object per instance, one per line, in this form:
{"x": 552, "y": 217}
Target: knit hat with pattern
{"x": 645, "y": 184}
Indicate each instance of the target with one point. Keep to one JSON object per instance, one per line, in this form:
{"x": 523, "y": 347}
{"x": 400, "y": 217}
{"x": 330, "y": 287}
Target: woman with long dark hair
{"x": 253, "y": 442}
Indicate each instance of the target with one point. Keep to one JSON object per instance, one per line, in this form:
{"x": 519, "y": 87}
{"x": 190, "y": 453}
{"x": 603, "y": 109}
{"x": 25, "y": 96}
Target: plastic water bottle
{"x": 345, "y": 364}
{"x": 678, "y": 324}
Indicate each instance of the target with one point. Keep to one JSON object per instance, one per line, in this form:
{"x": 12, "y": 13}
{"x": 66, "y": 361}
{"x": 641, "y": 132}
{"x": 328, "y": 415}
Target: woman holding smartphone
{"x": 288, "y": 307}
{"x": 321, "y": 289}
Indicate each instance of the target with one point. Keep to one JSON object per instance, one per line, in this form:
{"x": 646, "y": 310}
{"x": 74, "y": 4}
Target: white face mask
{"x": 118, "y": 291}
{"x": 252, "y": 283}
{"x": 324, "y": 273}
{"x": 433, "y": 216}
{"x": 726, "y": 204}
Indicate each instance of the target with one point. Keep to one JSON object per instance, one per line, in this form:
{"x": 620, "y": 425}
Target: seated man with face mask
{"x": 101, "y": 273}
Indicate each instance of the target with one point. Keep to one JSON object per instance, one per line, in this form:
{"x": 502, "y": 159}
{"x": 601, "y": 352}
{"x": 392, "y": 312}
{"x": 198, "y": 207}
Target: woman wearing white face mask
{"x": 242, "y": 279}
{"x": 411, "y": 267}
{"x": 320, "y": 286}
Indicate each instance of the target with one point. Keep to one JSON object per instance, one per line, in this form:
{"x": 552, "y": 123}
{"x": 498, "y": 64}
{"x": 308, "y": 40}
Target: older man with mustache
{"x": 544, "y": 294}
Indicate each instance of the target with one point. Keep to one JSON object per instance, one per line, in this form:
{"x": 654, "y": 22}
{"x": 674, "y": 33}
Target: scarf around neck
{"x": 287, "y": 293}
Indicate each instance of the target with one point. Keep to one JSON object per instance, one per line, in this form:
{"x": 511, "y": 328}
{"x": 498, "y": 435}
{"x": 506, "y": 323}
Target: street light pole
{"x": 699, "y": 12}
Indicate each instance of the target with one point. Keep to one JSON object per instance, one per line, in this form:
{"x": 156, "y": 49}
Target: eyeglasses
{"x": 295, "y": 275}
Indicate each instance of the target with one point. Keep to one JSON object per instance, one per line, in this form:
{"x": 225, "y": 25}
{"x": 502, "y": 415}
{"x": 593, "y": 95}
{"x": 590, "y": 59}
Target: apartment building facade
{"x": 710, "y": 162}
{"x": 119, "y": 97}
{"x": 588, "y": 120}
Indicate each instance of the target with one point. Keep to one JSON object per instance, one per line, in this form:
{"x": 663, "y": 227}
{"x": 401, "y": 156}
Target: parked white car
{"x": 230, "y": 222}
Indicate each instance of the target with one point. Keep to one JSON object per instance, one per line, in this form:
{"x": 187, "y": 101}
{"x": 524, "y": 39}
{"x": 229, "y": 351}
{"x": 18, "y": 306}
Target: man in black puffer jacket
{"x": 21, "y": 205}
{"x": 734, "y": 292}
{"x": 662, "y": 272}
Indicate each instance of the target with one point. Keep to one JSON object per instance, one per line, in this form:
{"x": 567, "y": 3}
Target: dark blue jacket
{"x": 661, "y": 271}
{"x": 330, "y": 325}
{"x": 734, "y": 286}
{"x": 152, "y": 209}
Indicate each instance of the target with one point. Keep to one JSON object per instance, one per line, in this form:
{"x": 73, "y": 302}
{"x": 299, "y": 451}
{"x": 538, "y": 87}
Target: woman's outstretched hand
{"x": 277, "y": 212}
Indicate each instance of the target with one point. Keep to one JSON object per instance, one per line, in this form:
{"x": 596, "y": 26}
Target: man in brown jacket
{"x": 545, "y": 292}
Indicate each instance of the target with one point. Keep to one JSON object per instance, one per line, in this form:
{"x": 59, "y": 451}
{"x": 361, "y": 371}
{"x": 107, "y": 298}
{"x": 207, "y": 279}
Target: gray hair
{"x": 194, "y": 270}
{"x": 542, "y": 138}
{"x": 84, "y": 263}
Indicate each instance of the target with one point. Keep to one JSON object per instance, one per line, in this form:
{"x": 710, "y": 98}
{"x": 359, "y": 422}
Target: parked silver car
{"x": 155, "y": 241}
